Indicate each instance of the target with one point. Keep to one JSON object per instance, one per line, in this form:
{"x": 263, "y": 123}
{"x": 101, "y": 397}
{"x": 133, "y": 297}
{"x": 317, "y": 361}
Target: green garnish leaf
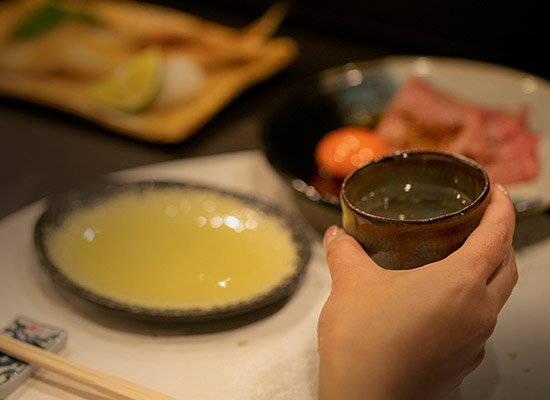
{"x": 41, "y": 20}
{"x": 46, "y": 17}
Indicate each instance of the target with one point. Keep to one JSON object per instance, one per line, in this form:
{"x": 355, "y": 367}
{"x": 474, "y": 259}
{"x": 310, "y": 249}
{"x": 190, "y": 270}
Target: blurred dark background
{"x": 44, "y": 151}
{"x": 513, "y": 33}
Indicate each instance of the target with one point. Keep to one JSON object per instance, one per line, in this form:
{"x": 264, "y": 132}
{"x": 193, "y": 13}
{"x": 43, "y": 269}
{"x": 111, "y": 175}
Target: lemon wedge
{"x": 133, "y": 85}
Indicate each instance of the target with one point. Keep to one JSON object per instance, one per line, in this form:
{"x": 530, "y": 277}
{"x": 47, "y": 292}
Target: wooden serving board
{"x": 232, "y": 61}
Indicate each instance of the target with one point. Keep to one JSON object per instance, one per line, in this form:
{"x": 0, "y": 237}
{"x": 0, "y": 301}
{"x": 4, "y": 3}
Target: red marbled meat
{"x": 421, "y": 117}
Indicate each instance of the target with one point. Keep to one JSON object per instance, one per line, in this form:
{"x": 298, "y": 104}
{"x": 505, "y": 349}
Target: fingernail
{"x": 330, "y": 234}
{"x": 503, "y": 189}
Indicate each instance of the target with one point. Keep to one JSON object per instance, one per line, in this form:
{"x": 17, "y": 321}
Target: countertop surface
{"x": 45, "y": 152}
{"x": 267, "y": 354}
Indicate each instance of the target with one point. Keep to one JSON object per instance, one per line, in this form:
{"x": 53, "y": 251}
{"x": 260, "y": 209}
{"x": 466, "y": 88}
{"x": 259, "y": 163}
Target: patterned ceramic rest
{"x": 13, "y": 371}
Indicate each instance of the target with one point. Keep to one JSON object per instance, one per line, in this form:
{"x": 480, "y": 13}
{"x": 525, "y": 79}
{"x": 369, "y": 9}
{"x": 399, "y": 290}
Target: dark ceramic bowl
{"x": 357, "y": 93}
{"x": 354, "y": 94}
{"x": 409, "y": 209}
{"x": 95, "y": 195}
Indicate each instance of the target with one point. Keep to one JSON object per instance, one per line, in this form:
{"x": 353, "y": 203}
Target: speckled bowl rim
{"x": 60, "y": 207}
{"x": 379, "y": 220}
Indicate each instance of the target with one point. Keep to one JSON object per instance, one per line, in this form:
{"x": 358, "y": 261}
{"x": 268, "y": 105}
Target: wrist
{"x": 354, "y": 377}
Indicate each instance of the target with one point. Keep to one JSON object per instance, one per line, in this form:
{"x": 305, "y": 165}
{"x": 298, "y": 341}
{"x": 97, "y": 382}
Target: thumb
{"x": 345, "y": 256}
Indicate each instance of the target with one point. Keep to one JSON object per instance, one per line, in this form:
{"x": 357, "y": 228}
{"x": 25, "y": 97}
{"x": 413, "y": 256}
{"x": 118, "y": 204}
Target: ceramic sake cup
{"x": 412, "y": 208}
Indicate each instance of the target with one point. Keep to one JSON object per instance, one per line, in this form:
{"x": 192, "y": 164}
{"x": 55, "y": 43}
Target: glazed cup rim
{"x": 417, "y": 153}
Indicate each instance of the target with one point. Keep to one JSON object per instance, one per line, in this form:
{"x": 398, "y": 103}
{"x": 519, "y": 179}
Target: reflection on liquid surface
{"x": 173, "y": 248}
{"x": 413, "y": 201}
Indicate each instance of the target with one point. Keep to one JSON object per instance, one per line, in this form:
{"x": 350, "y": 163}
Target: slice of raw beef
{"x": 421, "y": 117}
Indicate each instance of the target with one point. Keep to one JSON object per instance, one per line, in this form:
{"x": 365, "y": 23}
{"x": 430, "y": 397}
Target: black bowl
{"x": 358, "y": 93}
{"x": 353, "y": 94}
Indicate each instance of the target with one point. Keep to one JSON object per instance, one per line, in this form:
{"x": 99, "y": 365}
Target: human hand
{"x": 413, "y": 334}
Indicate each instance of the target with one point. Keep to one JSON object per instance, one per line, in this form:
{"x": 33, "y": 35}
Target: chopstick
{"x": 107, "y": 384}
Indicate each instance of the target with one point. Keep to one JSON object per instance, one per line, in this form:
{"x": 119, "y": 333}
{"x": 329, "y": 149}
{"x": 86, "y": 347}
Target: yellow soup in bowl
{"x": 173, "y": 247}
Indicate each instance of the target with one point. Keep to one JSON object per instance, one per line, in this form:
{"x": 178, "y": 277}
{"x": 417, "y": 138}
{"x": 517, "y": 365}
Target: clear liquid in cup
{"x": 412, "y": 201}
